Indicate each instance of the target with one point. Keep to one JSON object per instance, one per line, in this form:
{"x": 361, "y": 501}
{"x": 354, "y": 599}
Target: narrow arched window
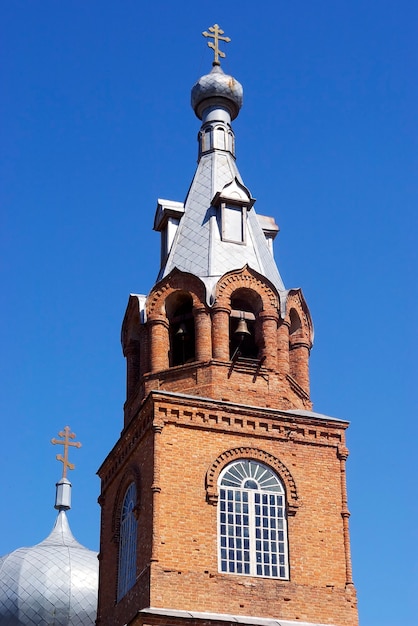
{"x": 207, "y": 139}
{"x": 231, "y": 142}
{"x": 127, "y": 542}
{"x": 220, "y": 138}
{"x": 179, "y": 309}
{"x": 252, "y": 531}
{"x": 295, "y": 335}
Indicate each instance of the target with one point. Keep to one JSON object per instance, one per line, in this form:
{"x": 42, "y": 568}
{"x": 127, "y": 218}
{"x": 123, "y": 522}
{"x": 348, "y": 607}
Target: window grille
{"x": 127, "y": 543}
{"x": 252, "y": 521}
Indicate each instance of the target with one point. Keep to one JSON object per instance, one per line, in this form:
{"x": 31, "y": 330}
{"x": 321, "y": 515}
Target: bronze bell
{"x": 242, "y": 328}
{"x": 181, "y": 332}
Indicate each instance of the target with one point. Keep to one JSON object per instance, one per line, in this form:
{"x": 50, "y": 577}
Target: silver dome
{"x": 52, "y": 583}
{"x": 215, "y": 87}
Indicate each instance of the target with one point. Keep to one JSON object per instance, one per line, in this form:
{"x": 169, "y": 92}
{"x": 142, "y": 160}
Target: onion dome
{"x": 217, "y": 89}
{"x": 54, "y": 583}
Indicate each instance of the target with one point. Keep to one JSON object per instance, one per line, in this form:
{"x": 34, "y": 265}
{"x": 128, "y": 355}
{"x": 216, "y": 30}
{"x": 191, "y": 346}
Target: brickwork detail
{"x": 125, "y": 447}
{"x": 259, "y": 455}
{"x": 175, "y": 281}
{"x": 296, "y": 301}
{"x": 259, "y": 423}
{"x": 248, "y": 279}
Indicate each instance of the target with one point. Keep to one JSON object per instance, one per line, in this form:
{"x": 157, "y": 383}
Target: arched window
{"x": 127, "y": 543}
{"x": 252, "y": 531}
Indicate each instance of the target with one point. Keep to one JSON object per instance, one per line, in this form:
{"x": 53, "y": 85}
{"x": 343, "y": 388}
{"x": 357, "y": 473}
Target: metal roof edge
{"x": 226, "y": 617}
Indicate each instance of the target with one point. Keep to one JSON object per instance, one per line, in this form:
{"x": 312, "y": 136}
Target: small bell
{"x": 242, "y": 329}
{"x": 181, "y": 332}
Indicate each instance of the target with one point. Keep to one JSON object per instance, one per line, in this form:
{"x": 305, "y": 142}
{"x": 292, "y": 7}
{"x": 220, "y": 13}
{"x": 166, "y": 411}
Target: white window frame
{"x": 252, "y": 539}
{"x": 225, "y": 229}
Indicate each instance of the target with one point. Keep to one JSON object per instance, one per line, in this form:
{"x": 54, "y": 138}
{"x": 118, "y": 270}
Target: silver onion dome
{"x": 217, "y": 89}
{"x": 52, "y": 583}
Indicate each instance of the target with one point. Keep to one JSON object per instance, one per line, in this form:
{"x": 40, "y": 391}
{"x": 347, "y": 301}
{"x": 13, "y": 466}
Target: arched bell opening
{"x": 179, "y": 311}
{"x": 243, "y": 335}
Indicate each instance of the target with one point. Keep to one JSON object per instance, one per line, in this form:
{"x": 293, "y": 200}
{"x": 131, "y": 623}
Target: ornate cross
{"x": 217, "y": 32}
{"x": 67, "y": 435}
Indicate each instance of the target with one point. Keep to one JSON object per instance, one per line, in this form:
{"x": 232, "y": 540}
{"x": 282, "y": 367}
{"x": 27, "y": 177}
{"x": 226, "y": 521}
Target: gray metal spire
{"x": 217, "y": 229}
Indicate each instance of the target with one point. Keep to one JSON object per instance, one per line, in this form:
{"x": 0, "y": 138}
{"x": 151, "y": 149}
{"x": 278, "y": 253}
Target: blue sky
{"x": 97, "y": 124}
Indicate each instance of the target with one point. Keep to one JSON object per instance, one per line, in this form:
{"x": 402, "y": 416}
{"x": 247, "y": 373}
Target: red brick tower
{"x": 224, "y": 499}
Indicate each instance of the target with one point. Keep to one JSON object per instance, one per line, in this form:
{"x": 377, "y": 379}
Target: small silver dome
{"x": 217, "y": 88}
{"x": 52, "y": 583}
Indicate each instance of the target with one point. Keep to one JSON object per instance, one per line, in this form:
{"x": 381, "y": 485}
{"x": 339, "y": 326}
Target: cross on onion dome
{"x": 67, "y": 435}
{"x": 216, "y": 32}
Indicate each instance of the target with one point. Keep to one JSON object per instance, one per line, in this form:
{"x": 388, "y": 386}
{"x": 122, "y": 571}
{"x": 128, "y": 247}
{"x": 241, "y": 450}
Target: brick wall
{"x": 189, "y": 438}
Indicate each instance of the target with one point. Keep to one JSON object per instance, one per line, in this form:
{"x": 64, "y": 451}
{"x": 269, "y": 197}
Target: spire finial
{"x": 67, "y": 435}
{"x": 216, "y": 32}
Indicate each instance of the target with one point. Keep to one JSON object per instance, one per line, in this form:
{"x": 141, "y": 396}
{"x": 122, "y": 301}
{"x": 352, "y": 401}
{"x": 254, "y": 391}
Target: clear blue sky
{"x": 96, "y": 125}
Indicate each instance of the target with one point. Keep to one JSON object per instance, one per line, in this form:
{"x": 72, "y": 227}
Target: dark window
{"x": 179, "y": 308}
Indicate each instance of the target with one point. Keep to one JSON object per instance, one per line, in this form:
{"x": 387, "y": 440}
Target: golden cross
{"x": 67, "y": 435}
{"x": 217, "y": 32}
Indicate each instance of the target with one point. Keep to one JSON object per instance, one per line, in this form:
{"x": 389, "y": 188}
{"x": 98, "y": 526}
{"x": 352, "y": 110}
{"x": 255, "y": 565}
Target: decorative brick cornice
{"x": 210, "y": 414}
{"x": 233, "y": 454}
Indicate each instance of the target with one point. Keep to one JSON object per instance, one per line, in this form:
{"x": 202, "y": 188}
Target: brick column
{"x": 345, "y": 514}
{"x": 283, "y": 348}
{"x": 268, "y": 323}
{"x": 299, "y": 363}
{"x": 132, "y": 354}
{"x": 144, "y": 364}
{"x": 159, "y": 343}
{"x": 203, "y": 335}
{"x": 220, "y": 332}
{"x": 156, "y": 490}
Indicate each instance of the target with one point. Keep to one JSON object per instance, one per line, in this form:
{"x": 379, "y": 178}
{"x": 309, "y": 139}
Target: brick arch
{"x": 256, "y": 454}
{"x": 248, "y": 279}
{"x": 295, "y": 325}
{"x": 175, "y": 281}
{"x": 296, "y": 302}
{"x": 131, "y": 475}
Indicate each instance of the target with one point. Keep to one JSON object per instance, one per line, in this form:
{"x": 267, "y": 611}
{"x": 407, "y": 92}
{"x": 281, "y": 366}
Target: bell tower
{"x": 224, "y": 498}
